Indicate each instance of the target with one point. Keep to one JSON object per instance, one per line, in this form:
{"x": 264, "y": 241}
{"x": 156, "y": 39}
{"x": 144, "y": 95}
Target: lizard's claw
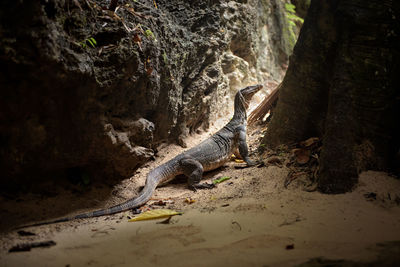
{"x": 251, "y": 163}
{"x": 202, "y": 186}
{"x": 193, "y": 188}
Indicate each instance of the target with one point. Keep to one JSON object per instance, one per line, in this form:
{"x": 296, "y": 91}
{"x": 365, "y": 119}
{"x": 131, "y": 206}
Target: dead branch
{"x": 266, "y": 105}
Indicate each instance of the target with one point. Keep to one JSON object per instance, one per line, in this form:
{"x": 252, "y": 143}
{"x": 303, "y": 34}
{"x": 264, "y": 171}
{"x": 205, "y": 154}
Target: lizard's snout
{"x": 249, "y": 91}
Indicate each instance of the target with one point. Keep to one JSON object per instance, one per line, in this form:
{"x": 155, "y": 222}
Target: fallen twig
{"x": 29, "y": 246}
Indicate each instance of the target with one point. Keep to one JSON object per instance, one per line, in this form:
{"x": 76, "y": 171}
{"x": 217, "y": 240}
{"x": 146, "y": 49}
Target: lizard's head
{"x": 247, "y": 93}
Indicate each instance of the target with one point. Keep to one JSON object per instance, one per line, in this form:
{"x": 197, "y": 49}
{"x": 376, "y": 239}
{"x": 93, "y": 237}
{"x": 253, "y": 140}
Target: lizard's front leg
{"x": 243, "y": 150}
{"x": 193, "y": 169}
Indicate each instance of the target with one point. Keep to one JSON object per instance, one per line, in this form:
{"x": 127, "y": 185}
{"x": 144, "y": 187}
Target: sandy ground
{"x": 249, "y": 220}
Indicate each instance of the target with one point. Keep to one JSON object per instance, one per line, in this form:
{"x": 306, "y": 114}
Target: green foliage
{"x": 220, "y": 180}
{"x": 183, "y": 58}
{"x": 91, "y": 41}
{"x": 85, "y": 178}
{"x": 165, "y": 58}
{"x": 291, "y": 13}
{"x": 290, "y": 8}
{"x": 291, "y": 19}
{"x": 149, "y": 34}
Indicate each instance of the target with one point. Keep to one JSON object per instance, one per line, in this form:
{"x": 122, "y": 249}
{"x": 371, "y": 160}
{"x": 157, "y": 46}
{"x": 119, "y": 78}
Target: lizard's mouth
{"x": 248, "y": 93}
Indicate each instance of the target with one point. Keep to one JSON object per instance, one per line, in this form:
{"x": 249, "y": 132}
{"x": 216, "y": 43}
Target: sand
{"x": 249, "y": 220}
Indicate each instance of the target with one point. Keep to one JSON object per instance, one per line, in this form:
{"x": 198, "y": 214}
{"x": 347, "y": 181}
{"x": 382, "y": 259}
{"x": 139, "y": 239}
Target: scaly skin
{"x": 210, "y": 154}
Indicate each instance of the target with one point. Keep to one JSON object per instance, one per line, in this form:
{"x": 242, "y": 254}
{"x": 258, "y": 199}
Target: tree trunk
{"x": 340, "y": 85}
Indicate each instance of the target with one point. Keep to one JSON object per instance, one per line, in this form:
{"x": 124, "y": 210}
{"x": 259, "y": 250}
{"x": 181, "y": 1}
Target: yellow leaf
{"x": 155, "y": 214}
{"x": 189, "y": 200}
{"x": 239, "y": 160}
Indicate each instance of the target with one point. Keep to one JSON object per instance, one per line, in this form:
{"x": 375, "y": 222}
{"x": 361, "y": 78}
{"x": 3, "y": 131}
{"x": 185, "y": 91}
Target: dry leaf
{"x": 160, "y": 203}
{"x": 155, "y": 214}
{"x": 133, "y": 12}
{"x": 77, "y": 4}
{"x": 302, "y": 155}
{"x": 130, "y": 10}
{"x": 309, "y": 142}
{"x": 148, "y": 67}
{"x": 149, "y": 71}
{"x": 110, "y": 15}
{"x": 274, "y": 160}
{"x": 138, "y": 40}
{"x": 126, "y": 27}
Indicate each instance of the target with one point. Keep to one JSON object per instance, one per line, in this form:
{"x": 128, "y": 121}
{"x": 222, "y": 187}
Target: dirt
{"x": 248, "y": 220}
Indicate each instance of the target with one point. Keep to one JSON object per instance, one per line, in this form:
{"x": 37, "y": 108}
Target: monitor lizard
{"x": 210, "y": 154}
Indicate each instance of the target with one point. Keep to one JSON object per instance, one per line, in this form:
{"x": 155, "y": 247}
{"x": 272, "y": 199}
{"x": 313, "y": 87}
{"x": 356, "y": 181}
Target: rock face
{"x": 85, "y": 86}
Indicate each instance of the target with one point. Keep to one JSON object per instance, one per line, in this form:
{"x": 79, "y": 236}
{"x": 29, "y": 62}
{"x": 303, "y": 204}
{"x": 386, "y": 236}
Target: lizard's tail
{"x": 153, "y": 179}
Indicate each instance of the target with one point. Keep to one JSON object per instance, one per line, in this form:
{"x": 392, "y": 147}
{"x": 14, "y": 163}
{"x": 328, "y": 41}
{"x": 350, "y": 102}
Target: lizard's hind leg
{"x": 193, "y": 169}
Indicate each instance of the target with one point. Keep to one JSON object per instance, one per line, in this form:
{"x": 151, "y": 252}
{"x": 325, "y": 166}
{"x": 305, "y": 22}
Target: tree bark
{"x": 340, "y": 85}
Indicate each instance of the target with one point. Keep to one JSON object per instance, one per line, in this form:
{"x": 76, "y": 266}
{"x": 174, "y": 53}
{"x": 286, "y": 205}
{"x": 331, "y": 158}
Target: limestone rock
{"x": 83, "y": 86}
